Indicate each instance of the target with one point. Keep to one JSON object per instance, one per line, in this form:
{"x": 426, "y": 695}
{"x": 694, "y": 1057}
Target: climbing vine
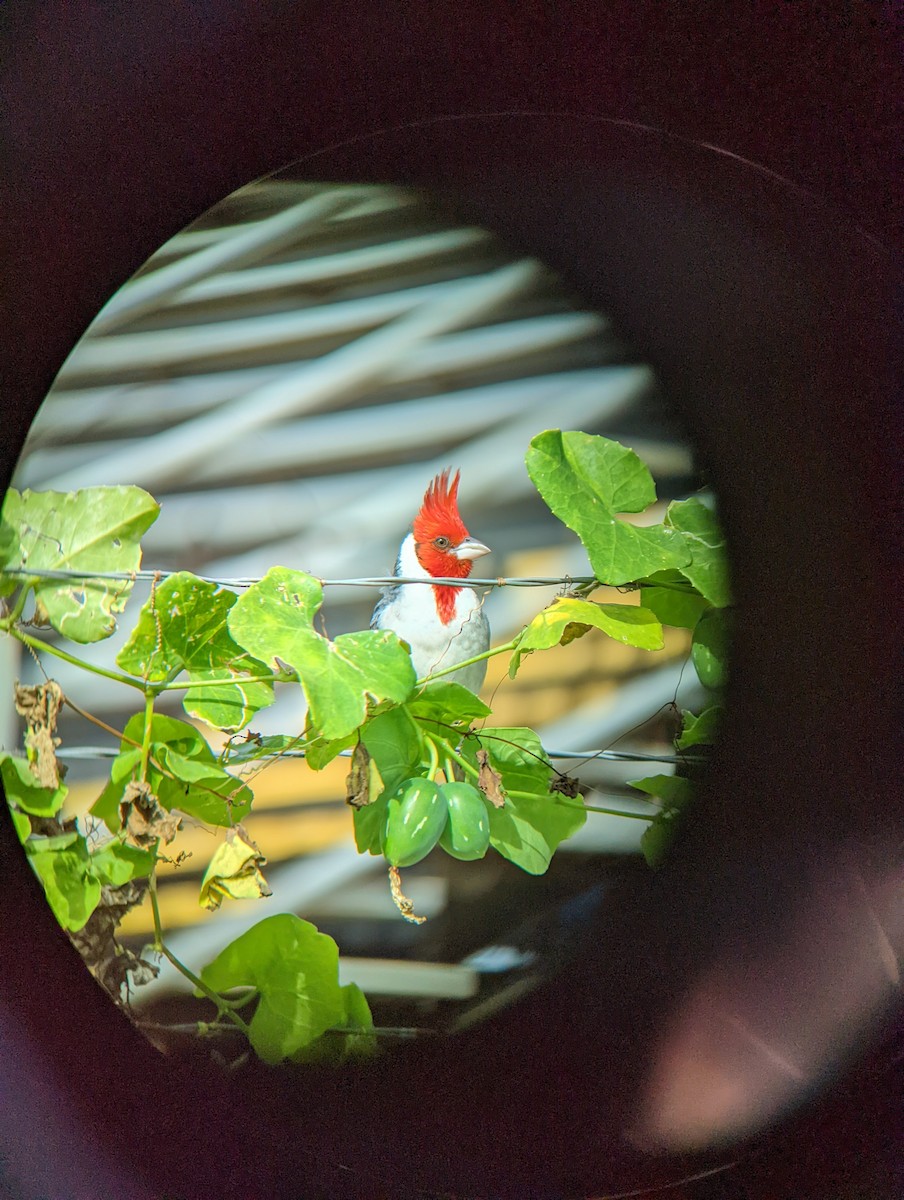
{"x": 421, "y": 776}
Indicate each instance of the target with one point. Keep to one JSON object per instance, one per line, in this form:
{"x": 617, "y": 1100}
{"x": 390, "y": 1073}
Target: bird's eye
{"x": 441, "y": 543}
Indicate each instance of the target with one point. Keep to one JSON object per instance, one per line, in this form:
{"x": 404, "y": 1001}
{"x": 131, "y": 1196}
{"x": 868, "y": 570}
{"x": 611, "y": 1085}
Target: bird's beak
{"x": 470, "y": 548}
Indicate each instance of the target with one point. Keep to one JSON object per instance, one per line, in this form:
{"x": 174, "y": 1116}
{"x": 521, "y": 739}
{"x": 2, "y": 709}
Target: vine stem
{"x": 37, "y": 644}
{"x": 223, "y": 1008}
{"x": 149, "y": 697}
{"x": 236, "y": 679}
{"x": 611, "y": 812}
{"x": 491, "y": 653}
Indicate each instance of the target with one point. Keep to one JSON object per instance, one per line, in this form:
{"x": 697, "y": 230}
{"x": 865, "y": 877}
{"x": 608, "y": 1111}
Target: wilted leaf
{"x": 39, "y": 705}
{"x": 114, "y": 966}
{"x": 234, "y": 871}
{"x": 489, "y": 780}
{"x": 143, "y": 820}
{"x": 357, "y": 783}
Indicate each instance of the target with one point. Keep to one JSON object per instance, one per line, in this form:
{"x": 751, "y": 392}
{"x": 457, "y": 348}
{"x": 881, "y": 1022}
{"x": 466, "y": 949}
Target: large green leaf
{"x": 295, "y": 970}
{"x": 530, "y": 826}
{"x": 183, "y": 627}
{"x": 587, "y": 480}
{"x": 566, "y": 619}
{"x": 23, "y": 789}
{"x": 95, "y": 529}
{"x": 708, "y": 568}
{"x": 273, "y": 619}
{"x": 680, "y": 606}
{"x": 72, "y": 890}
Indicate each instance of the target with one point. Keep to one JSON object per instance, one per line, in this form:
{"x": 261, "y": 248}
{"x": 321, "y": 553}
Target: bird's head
{"x": 443, "y": 545}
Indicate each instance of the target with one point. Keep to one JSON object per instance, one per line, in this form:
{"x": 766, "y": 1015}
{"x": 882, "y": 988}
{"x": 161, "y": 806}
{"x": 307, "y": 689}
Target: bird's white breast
{"x": 410, "y": 611}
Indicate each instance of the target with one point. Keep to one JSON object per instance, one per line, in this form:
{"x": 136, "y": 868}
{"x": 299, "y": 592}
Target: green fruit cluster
{"x": 422, "y": 813}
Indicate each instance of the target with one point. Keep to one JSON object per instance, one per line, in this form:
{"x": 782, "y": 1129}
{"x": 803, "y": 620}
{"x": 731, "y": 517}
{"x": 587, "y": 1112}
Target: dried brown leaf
{"x": 143, "y": 818}
{"x": 357, "y": 783}
{"x": 39, "y": 705}
{"x": 489, "y": 780}
{"x": 565, "y": 785}
{"x": 402, "y": 903}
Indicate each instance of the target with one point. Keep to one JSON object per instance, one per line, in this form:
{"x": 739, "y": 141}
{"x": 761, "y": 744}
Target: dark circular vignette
{"x": 749, "y": 298}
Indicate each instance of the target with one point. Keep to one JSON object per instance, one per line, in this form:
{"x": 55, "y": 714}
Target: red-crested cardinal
{"x": 442, "y": 624}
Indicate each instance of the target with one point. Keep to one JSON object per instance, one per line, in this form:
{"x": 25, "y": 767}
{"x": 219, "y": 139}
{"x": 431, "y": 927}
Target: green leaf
{"x": 273, "y": 619}
{"x": 676, "y": 793}
{"x": 586, "y": 480}
{"x": 708, "y": 568}
{"x": 123, "y": 769}
{"x": 21, "y": 824}
{"x": 321, "y": 751}
{"x": 201, "y": 787}
{"x": 22, "y": 788}
{"x": 256, "y": 746}
{"x": 710, "y": 648}
{"x": 10, "y": 550}
{"x": 671, "y": 789}
{"x": 295, "y": 970}
{"x": 391, "y": 739}
{"x": 448, "y": 702}
{"x": 527, "y": 831}
{"x": 117, "y": 862}
{"x": 681, "y": 609}
{"x": 566, "y": 619}
{"x": 56, "y": 841}
{"x": 528, "y": 828}
{"x": 658, "y": 836}
{"x": 337, "y": 1047}
{"x": 71, "y": 889}
{"x": 700, "y": 730}
{"x": 183, "y": 627}
{"x": 370, "y": 825}
{"x": 95, "y": 529}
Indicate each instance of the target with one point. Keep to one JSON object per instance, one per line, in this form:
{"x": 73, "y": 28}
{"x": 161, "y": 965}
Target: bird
{"x": 443, "y": 624}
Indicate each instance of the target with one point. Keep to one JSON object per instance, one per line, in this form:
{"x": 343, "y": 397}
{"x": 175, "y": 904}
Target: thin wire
{"x": 247, "y": 581}
{"x": 89, "y": 752}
